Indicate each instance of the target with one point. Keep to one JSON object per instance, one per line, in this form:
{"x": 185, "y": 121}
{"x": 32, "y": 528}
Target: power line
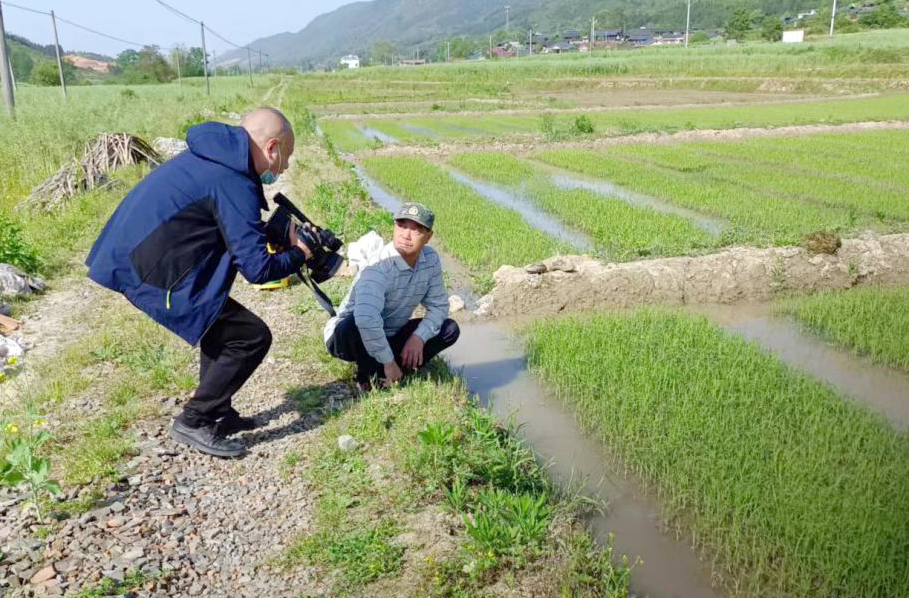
{"x": 38, "y": 12}
{"x": 177, "y": 12}
{"x": 74, "y": 24}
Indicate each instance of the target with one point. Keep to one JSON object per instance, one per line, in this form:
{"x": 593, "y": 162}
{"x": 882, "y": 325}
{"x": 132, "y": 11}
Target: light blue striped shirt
{"x": 384, "y": 295}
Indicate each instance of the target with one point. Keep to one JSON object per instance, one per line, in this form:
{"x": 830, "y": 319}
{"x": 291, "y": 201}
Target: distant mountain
{"x": 411, "y": 25}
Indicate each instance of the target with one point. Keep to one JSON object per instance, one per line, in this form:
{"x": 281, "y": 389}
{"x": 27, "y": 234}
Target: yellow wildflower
{"x": 12, "y": 360}
{"x": 40, "y": 422}
{"x": 12, "y": 428}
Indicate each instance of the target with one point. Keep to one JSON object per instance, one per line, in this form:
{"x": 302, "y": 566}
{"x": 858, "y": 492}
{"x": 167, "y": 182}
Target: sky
{"x": 147, "y": 22}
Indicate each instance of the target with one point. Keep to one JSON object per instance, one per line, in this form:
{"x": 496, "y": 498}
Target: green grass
{"x": 48, "y": 131}
{"x": 621, "y": 231}
{"x": 756, "y": 215}
{"x": 872, "y": 321}
{"x": 345, "y": 135}
{"x": 427, "y": 447}
{"x": 480, "y": 233}
{"x": 793, "y": 489}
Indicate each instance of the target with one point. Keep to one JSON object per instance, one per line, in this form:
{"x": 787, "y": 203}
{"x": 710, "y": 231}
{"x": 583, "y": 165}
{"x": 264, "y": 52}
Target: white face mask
{"x": 268, "y": 177}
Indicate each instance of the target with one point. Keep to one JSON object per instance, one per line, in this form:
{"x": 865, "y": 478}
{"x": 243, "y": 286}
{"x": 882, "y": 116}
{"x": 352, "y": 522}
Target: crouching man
{"x": 374, "y": 328}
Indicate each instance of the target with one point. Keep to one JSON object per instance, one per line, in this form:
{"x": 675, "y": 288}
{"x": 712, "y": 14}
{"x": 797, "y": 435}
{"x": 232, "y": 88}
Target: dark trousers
{"x": 347, "y": 344}
{"x": 232, "y": 349}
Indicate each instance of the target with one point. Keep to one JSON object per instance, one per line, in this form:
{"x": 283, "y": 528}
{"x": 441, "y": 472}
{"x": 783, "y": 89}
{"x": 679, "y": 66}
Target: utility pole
{"x": 249, "y": 64}
{"x": 6, "y": 73}
{"x": 832, "y": 18}
{"x": 448, "y": 52}
{"x": 205, "y": 60}
{"x": 214, "y": 63}
{"x": 57, "y": 49}
{"x": 260, "y": 60}
{"x": 530, "y": 42}
{"x": 688, "y": 22}
{"x": 593, "y": 34}
{"x": 177, "y": 60}
{"x": 507, "y": 22}
{"x": 13, "y": 76}
{"x": 490, "y": 46}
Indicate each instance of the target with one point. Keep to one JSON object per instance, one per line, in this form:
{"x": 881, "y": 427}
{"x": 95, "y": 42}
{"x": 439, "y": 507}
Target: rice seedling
{"x": 345, "y": 135}
{"x": 872, "y": 321}
{"x": 756, "y": 216}
{"x": 480, "y": 233}
{"x": 794, "y": 490}
{"x": 621, "y": 231}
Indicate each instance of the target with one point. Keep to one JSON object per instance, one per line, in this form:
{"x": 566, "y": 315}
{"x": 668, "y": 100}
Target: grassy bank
{"x": 794, "y": 490}
{"x": 48, "y": 131}
{"x": 620, "y": 230}
{"x": 427, "y": 458}
{"x": 871, "y": 321}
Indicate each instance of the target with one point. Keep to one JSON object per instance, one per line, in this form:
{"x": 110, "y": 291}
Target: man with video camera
{"x": 174, "y": 246}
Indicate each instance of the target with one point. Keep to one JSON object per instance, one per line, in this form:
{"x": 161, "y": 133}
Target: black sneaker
{"x": 207, "y": 439}
{"x": 233, "y": 422}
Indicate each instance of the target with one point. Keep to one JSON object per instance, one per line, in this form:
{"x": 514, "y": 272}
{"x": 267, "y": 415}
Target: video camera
{"x": 322, "y": 242}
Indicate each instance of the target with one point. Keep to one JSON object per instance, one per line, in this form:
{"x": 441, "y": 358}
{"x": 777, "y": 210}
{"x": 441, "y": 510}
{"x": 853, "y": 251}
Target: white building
{"x": 351, "y": 61}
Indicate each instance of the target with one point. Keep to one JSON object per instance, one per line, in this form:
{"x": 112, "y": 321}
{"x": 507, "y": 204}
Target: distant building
{"x": 558, "y": 48}
{"x": 351, "y": 61}
{"x": 413, "y": 62}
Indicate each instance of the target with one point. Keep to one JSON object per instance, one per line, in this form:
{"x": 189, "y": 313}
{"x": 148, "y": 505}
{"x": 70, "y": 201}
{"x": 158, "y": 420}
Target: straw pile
{"x": 102, "y": 155}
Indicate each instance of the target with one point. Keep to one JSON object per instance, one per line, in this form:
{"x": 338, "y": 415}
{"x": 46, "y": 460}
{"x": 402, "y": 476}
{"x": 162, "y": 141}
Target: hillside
{"x": 413, "y": 24}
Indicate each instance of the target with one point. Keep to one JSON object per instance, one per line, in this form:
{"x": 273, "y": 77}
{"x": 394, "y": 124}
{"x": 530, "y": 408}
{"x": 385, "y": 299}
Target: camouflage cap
{"x": 417, "y": 212}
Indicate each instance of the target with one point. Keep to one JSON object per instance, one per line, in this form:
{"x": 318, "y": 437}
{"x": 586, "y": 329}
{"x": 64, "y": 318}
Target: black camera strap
{"x": 321, "y": 298}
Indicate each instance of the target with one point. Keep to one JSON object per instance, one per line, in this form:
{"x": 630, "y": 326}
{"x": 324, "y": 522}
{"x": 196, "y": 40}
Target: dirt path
{"x": 533, "y": 142}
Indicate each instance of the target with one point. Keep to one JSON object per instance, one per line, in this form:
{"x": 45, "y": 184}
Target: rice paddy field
{"x": 780, "y": 483}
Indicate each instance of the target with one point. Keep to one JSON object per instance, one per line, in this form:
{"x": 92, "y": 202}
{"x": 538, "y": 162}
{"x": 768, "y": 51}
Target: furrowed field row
{"x": 871, "y": 321}
{"x": 620, "y": 230}
{"x": 854, "y": 163}
{"x": 622, "y": 122}
{"x": 480, "y": 233}
{"x": 796, "y": 490}
{"x": 823, "y": 187}
{"x": 755, "y": 217}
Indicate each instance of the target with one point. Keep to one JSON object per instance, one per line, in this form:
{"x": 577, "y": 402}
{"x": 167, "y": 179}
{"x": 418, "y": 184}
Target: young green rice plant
{"x": 756, "y": 216}
{"x": 872, "y": 321}
{"x": 480, "y": 233}
{"x": 795, "y": 490}
{"x": 620, "y": 230}
{"x": 345, "y": 135}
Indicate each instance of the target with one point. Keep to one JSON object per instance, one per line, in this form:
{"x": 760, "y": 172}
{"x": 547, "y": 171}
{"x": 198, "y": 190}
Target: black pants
{"x": 232, "y": 349}
{"x": 347, "y": 344}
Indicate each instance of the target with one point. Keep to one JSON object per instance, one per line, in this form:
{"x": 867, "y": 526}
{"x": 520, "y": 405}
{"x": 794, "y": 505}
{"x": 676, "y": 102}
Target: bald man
{"x": 174, "y": 246}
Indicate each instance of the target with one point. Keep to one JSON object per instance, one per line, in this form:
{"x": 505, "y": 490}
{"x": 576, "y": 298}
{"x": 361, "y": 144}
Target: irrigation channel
{"x": 529, "y": 212}
{"x": 565, "y": 180}
{"x": 492, "y": 363}
{"x": 373, "y": 133}
{"x": 881, "y": 388}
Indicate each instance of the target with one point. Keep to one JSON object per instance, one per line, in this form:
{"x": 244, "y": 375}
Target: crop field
{"x": 873, "y": 321}
{"x": 761, "y": 186}
{"x": 479, "y": 233}
{"x": 623, "y": 122}
{"x": 621, "y": 231}
{"x": 796, "y": 490}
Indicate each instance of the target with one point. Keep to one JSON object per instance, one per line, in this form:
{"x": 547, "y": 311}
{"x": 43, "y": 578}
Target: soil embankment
{"x": 739, "y": 274}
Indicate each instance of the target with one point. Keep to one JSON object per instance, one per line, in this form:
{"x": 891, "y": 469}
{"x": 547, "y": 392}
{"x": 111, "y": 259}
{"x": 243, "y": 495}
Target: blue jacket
{"x": 175, "y": 243}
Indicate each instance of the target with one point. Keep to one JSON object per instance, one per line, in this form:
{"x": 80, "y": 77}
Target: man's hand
{"x": 392, "y": 373}
{"x": 412, "y": 355}
{"x": 296, "y": 241}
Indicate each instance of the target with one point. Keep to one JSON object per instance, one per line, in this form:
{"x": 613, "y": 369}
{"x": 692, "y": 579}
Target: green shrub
{"x": 14, "y": 249}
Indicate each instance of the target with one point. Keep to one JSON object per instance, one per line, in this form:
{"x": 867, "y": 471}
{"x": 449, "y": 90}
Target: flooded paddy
{"x": 373, "y": 133}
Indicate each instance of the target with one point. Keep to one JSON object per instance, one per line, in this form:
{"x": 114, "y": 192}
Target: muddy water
{"x": 607, "y": 189}
{"x": 458, "y": 277}
{"x": 881, "y": 388}
{"x": 492, "y": 362}
{"x": 374, "y": 133}
{"x": 532, "y": 214}
{"x": 424, "y": 131}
